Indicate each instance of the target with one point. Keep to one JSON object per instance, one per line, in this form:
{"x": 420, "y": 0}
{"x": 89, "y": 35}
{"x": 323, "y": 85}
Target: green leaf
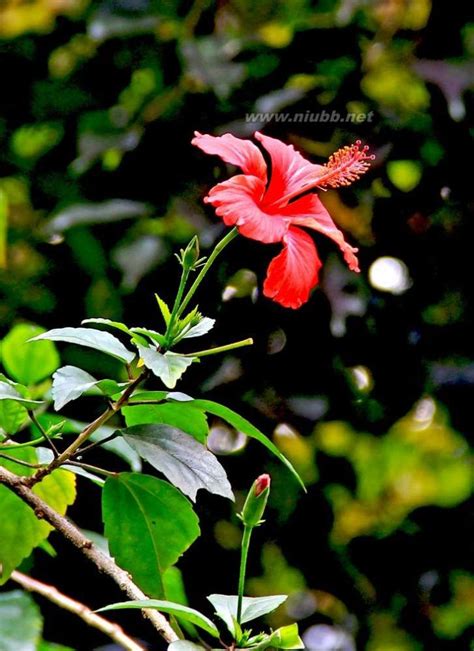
{"x": 243, "y": 425}
{"x": 8, "y": 392}
{"x": 21, "y": 623}
{"x": 111, "y": 324}
{"x": 185, "y": 645}
{"x": 252, "y": 607}
{"x": 70, "y": 382}
{"x": 97, "y": 339}
{"x": 12, "y": 416}
{"x": 52, "y": 646}
{"x": 175, "y": 591}
{"x": 164, "y": 309}
{"x": 168, "y": 367}
{"x": 202, "y": 328}
{"x": 149, "y": 524}
{"x": 286, "y": 637}
{"x": 155, "y": 337}
{"x": 185, "y": 417}
{"x": 178, "y": 610}
{"x": 21, "y": 530}
{"x": 28, "y": 362}
{"x": 184, "y": 461}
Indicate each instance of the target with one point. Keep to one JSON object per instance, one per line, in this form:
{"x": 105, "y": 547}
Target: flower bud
{"x": 190, "y": 255}
{"x": 256, "y": 501}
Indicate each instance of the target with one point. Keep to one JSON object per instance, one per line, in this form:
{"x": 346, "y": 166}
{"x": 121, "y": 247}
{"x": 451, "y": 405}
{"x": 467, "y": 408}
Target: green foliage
{"x": 181, "y": 415}
{"x": 103, "y": 341}
{"x": 420, "y": 461}
{"x": 182, "y": 459}
{"x": 148, "y": 524}
{"x": 252, "y": 608}
{"x": 243, "y": 425}
{"x": 100, "y": 186}
{"x": 168, "y": 367}
{"x": 179, "y": 611}
{"x": 22, "y": 531}
{"x": 27, "y": 362}
{"x": 20, "y": 622}
{"x": 70, "y": 382}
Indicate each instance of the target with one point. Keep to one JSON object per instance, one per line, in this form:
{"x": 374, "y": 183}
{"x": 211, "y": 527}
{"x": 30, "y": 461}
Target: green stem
{"x": 220, "y": 246}
{"x": 36, "y": 422}
{"x": 243, "y": 568}
{"x": 220, "y": 349}
{"x": 177, "y": 304}
{"x": 96, "y": 469}
{"x": 26, "y": 444}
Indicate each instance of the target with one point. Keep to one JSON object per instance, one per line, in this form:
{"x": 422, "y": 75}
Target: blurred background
{"x": 368, "y": 387}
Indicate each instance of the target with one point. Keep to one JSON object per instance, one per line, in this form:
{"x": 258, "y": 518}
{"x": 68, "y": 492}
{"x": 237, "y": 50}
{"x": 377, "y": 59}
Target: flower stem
{"x": 243, "y": 568}
{"x": 221, "y": 349}
{"x": 177, "y": 304}
{"x": 220, "y": 246}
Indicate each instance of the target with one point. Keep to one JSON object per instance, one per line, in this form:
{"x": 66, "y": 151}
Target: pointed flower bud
{"x": 190, "y": 255}
{"x": 256, "y": 501}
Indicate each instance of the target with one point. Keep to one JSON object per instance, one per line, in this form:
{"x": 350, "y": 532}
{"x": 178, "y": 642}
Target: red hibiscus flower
{"x": 271, "y": 210}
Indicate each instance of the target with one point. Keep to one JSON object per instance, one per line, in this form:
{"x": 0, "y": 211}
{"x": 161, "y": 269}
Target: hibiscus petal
{"x": 234, "y": 151}
{"x": 290, "y": 171}
{"x": 294, "y": 272}
{"x": 237, "y": 201}
{"x": 310, "y": 212}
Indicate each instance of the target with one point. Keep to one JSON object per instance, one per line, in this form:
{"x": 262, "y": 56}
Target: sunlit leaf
{"x": 28, "y": 361}
{"x": 22, "y": 531}
{"x": 97, "y": 339}
{"x": 185, "y": 417}
{"x": 169, "y": 367}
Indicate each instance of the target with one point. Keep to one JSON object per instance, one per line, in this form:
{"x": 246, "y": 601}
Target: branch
{"x": 50, "y": 592}
{"x": 103, "y": 562}
{"x": 86, "y": 433}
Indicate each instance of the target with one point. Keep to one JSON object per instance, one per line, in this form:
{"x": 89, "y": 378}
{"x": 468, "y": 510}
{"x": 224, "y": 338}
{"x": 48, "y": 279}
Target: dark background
{"x": 99, "y": 102}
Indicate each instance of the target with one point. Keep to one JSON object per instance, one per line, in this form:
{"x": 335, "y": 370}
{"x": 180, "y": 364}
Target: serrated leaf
{"x": 186, "y": 418}
{"x": 184, "y": 461}
{"x": 70, "y": 382}
{"x": 29, "y": 363}
{"x": 164, "y": 309}
{"x": 149, "y": 524}
{"x": 202, "y": 328}
{"x": 243, "y": 425}
{"x": 168, "y": 367}
{"x": 21, "y": 623}
{"x": 8, "y": 392}
{"x": 178, "y": 610}
{"x": 90, "y": 338}
{"x": 21, "y": 529}
{"x": 252, "y": 607}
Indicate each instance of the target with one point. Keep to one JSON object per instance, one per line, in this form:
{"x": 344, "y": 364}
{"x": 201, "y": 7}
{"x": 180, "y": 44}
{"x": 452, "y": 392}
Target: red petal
{"x": 235, "y": 151}
{"x": 237, "y": 201}
{"x": 294, "y": 272}
{"x": 290, "y": 171}
{"x": 310, "y": 212}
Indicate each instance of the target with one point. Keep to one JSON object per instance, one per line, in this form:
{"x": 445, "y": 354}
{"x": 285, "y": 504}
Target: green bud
{"x": 256, "y": 501}
{"x": 190, "y": 255}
